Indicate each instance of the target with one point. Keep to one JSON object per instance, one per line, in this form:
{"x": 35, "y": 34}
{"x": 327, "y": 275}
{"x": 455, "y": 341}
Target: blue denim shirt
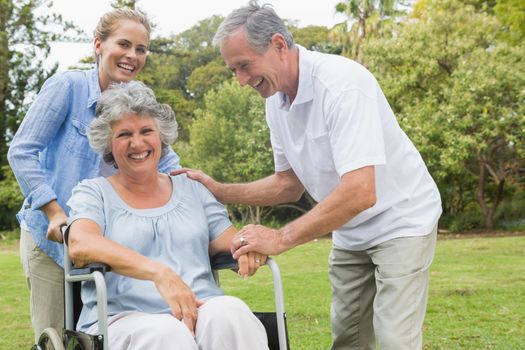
{"x": 50, "y": 153}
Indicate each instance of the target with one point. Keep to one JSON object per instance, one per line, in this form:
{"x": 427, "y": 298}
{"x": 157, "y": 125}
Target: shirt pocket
{"x": 320, "y": 152}
{"x": 77, "y": 141}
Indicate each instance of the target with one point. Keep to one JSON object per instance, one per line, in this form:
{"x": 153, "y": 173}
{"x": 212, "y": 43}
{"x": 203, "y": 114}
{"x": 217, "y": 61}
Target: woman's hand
{"x": 179, "y": 296}
{"x": 250, "y": 262}
{"x": 57, "y": 218}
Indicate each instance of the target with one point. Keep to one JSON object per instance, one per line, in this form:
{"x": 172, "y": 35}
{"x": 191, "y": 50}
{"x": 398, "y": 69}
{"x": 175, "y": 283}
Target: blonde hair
{"x": 108, "y": 22}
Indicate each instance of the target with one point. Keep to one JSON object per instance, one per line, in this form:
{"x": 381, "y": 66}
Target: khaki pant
{"x": 381, "y": 294}
{"x": 45, "y": 279}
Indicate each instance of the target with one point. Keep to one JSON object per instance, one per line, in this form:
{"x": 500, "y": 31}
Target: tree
{"x": 205, "y": 78}
{"x": 116, "y": 4}
{"x": 486, "y": 116}
{"x": 230, "y": 140}
{"x": 450, "y": 82}
{"x": 366, "y": 17}
{"x": 511, "y": 14}
{"x": 315, "y": 38}
{"x": 24, "y": 45}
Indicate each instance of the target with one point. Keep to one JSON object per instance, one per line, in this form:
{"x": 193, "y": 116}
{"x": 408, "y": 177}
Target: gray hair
{"x": 121, "y": 99}
{"x": 260, "y": 23}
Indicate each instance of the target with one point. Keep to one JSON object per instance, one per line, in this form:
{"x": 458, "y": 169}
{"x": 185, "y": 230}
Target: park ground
{"x": 476, "y": 298}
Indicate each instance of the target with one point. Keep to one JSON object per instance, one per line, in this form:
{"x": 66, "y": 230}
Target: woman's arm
{"x": 248, "y": 263}
{"x": 39, "y": 127}
{"x": 87, "y": 245}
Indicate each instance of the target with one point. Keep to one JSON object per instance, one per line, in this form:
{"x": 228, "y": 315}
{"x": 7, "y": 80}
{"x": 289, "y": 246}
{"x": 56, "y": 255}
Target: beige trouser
{"x": 381, "y": 294}
{"x": 223, "y": 323}
{"x": 45, "y": 279}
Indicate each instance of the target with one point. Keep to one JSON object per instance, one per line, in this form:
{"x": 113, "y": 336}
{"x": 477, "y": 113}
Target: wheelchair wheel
{"x": 50, "y": 340}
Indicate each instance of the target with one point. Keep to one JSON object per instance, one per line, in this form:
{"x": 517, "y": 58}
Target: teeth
{"x": 126, "y": 66}
{"x": 139, "y": 156}
{"x": 258, "y": 83}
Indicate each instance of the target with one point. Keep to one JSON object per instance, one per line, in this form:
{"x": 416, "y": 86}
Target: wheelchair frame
{"x": 95, "y": 272}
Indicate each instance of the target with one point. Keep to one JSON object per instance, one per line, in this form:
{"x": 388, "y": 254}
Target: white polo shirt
{"x": 340, "y": 121}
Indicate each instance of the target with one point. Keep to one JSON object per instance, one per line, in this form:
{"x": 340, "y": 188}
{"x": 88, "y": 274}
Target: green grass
{"x": 16, "y": 330}
{"x": 476, "y": 298}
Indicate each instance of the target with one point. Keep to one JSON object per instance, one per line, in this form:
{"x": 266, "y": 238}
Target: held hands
{"x": 257, "y": 238}
{"x": 249, "y": 263}
{"x": 179, "y": 296}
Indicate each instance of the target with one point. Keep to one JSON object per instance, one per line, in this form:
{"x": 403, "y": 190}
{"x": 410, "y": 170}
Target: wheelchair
{"x": 70, "y": 339}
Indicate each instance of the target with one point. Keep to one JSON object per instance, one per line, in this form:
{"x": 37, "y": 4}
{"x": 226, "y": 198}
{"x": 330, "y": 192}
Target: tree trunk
{"x": 488, "y": 211}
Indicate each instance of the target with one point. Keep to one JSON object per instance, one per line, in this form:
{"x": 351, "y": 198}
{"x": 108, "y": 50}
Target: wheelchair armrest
{"x": 223, "y": 261}
{"x": 90, "y": 268}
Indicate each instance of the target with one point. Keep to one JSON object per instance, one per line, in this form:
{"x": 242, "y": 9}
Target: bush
{"x": 10, "y": 200}
{"x": 511, "y": 212}
{"x": 467, "y": 220}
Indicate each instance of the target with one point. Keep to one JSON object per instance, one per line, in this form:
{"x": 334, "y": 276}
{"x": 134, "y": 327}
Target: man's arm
{"x": 354, "y": 194}
{"x": 281, "y": 187}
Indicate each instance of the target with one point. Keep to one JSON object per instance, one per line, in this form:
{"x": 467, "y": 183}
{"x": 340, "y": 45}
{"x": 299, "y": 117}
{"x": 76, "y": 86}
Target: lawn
{"x": 476, "y": 296}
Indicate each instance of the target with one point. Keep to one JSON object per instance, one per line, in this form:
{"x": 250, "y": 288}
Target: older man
{"x": 334, "y": 134}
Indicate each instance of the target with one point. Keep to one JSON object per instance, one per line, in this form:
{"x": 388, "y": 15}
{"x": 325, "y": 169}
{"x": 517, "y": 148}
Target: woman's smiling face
{"x": 136, "y": 144}
{"x": 122, "y": 55}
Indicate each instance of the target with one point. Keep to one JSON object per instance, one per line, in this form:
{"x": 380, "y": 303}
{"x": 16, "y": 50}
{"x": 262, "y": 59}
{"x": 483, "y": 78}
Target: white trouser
{"x": 223, "y": 323}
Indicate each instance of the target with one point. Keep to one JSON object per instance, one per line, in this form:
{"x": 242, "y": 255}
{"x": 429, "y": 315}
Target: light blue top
{"x": 177, "y": 234}
{"x": 50, "y": 152}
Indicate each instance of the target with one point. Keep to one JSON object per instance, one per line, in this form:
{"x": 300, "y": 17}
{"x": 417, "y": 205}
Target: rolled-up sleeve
{"x": 38, "y": 129}
{"x": 170, "y": 161}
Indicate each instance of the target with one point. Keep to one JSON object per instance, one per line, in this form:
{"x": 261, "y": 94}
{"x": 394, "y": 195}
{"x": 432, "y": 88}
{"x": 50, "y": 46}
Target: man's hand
{"x": 257, "y": 238}
{"x": 198, "y": 175}
{"x": 179, "y": 296}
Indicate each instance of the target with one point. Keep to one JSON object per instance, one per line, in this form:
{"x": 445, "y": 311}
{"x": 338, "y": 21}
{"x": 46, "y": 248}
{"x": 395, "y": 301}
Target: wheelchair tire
{"x": 50, "y": 340}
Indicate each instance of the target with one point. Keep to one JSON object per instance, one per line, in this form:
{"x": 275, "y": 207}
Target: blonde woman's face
{"x": 123, "y": 54}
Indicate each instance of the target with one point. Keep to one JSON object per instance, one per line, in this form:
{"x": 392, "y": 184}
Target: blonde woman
{"x": 50, "y": 154}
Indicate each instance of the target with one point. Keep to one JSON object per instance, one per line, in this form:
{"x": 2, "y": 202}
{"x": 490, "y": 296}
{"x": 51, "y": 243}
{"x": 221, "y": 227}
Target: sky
{"x": 173, "y": 17}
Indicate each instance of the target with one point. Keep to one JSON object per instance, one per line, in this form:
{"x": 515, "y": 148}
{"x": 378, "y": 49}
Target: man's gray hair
{"x": 260, "y": 23}
{"x": 121, "y": 99}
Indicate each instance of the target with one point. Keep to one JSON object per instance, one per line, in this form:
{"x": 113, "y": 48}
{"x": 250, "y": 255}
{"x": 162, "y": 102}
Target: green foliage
{"x": 316, "y": 38}
{"x": 466, "y": 220}
{"x": 366, "y": 18}
{"x": 207, "y": 77}
{"x": 458, "y": 93}
{"x": 183, "y": 108}
{"x": 510, "y": 212}
{"x": 24, "y": 45}
{"x": 229, "y": 139}
{"x": 181, "y": 69}
{"x": 10, "y": 199}
{"x": 511, "y": 14}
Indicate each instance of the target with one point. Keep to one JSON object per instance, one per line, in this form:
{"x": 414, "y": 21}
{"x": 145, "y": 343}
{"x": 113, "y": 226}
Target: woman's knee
{"x": 224, "y": 310}
{"x": 158, "y": 331}
{"x": 227, "y": 323}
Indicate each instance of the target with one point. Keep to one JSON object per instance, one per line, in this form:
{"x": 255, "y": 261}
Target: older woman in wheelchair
{"x": 157, "y": 232}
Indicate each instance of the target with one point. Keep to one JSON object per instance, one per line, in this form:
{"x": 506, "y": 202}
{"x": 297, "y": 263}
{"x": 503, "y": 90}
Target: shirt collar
{"x": 94, "y": 87}
{"x": 305, "y": 89}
